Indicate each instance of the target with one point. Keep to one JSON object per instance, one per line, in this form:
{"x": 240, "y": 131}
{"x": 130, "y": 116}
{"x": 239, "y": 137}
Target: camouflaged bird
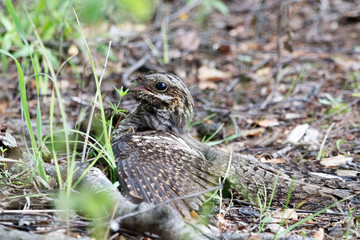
{"x": 158, "y": 160}
{"x": 155, "y": 157}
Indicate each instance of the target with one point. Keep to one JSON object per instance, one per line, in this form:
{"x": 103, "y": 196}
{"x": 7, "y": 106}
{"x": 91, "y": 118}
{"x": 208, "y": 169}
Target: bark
{"x": 11, "y": 233}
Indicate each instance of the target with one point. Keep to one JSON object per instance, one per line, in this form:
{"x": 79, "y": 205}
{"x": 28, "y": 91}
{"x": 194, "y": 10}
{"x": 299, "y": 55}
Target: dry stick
{"x": 93, "y": 106}
{"x": 63, "y": 64}
{"x": 10, "y": 160}
{"x": 34, "y": 211}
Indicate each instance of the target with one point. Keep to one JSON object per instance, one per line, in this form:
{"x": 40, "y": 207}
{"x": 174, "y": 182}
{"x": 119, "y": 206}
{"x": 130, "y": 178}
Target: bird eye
{"x": 160, "y": 86}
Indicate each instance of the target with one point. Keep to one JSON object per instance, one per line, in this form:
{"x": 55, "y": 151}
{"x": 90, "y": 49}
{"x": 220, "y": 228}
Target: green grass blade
{"x": 35, "y": 147}
{"x": 214, "y": 134}
{"x": 24, "y": 105}
{"x": 52, "y": 104}
{"x": 229, "y": 138}
{"x": 16, "y": 20}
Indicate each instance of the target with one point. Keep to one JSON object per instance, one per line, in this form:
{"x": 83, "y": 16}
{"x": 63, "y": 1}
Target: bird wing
{"x": 156, "y": 166}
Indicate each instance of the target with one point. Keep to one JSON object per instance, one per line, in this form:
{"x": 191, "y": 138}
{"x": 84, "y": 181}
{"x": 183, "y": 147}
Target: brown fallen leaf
{"x": 3, "y": 106}
{"x": 187, "y": 40}
{"x": 268, "y": 123}
{"x": 248, "y": 46}
{"x": 335, "y": 161}
{"x": 319, "y": 235}
{"x": 287, "y": 214}
{"x": 253, "y": 132}
{"x": 208, "y": 75}
{"x": 345, "y": 65}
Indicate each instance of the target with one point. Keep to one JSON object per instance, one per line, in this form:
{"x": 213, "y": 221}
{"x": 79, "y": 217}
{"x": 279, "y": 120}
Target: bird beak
{"x": 138, "y": 84}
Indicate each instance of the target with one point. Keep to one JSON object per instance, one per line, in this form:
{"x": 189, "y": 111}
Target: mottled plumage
{"x": 155, "y": 166}
{"x": 167, "y": 110}
{"x": 155, "y": 160}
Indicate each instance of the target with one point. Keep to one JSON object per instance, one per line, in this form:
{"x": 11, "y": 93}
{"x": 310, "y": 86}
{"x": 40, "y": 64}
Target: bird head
{"x": 166, "y": 96}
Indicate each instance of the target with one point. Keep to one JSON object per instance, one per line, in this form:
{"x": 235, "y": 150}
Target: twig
{"x": 10, "y": 160}
{"x": 63, "y": 64}
{"x": 35, "y": 211}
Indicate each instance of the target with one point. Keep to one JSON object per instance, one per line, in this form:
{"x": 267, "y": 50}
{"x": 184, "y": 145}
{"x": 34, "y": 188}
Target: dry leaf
{"x": 211, "y": 74}
{"x": 3, "y": 106}
{"x": 292, "y": 116}
{"x": 193, "y": 214}
{"x": 268, "y": 123}
{"x": 335, "y": 161}
{"x": 207, "y": 85}
{"x": 263, "y": 72}
{"x": 288, "y": 214}
{"x": 253, "y": 132}
{"x": 187, "y": 40}
{"x": 319, "y": 235}
{"x": 207, "y": 76}
{"x": 274, "y": 228}
{"x": 248, "y": 46}
{"x": 310, "y": 138}
{"x": 297, "y": 133}
{"x": 347, "y": 173}
{"x": 346, "y": 64}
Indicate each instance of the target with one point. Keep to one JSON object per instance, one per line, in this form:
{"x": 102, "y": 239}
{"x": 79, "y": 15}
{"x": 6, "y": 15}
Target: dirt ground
{"x": 284, "y": 74}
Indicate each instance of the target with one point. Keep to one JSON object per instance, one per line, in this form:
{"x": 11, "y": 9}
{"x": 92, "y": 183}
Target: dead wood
{"x": 11, "y": 233}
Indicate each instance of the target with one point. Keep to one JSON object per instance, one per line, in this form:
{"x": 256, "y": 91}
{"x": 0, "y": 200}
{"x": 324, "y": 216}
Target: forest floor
{"x": 283, "y": 74}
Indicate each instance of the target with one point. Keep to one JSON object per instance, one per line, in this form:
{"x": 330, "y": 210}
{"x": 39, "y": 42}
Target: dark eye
{"x": 160, "y": 86}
